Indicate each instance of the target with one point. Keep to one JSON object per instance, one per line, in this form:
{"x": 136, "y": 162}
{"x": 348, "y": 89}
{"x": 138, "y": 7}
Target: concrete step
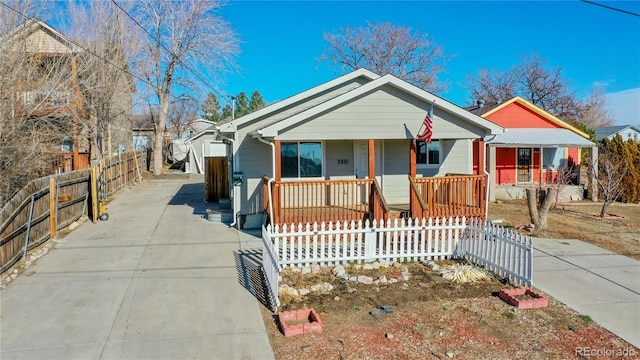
{"x": 220, "y": 215}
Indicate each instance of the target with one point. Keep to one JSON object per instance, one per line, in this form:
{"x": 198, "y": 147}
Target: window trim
{"x": 322, "y": 165}
{"x": 430, "y": 166}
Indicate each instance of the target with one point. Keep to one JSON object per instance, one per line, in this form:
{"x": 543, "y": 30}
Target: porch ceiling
{"x": 536, "y": 137}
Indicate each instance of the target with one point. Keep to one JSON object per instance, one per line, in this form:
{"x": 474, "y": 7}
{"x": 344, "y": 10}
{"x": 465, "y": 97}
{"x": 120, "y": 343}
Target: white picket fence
{"x": 395, "y": 241}
{"x": 506, "y": 253}
{"x": 270, "y": 268}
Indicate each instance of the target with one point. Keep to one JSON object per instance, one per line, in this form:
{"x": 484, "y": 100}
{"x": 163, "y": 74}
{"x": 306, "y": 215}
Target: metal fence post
{"x": 26, "y": 242}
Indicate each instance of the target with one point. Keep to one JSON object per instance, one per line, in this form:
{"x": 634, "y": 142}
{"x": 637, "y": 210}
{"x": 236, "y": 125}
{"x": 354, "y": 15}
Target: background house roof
{"x": 539, "y": 137}
{"x": 607, "y": 131}
{"x": 489, "y": 109}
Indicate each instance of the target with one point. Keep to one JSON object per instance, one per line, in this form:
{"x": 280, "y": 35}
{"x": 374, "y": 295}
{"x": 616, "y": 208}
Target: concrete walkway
{"x": 155, "y": 281}
{"x": 593, "y": 282}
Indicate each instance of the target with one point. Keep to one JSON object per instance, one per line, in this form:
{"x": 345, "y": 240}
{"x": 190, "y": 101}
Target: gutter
{"x": 273, "y": 174}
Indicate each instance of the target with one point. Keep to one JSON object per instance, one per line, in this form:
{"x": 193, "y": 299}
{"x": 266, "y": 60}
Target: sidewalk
{"x": 155, "y": 281}
{"x": 593, "y": 282}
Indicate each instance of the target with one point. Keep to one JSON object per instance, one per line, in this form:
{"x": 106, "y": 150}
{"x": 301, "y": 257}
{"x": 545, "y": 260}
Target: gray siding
{"x": 386, "y": 113}
{"x": 336, "y": 154}
{"x": 254, "y": 163}
{"x": 457, "y": 158}
{"x": 395, "y": 182}
{"x": 296, "y": 108}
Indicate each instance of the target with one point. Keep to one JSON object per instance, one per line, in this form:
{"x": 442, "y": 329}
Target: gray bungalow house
{"x": 345, "y": 150}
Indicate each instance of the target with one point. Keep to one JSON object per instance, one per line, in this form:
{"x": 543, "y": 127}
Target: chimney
{"x": 480, "y": 103}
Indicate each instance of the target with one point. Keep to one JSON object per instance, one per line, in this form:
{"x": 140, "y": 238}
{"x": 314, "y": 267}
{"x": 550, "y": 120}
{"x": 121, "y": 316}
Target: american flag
{"x": 428, "y": 125}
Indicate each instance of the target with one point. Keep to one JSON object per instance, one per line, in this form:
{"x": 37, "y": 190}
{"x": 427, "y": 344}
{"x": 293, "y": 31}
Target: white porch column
{"x": 492, "y": 173}
{"x": 592, "y": 186}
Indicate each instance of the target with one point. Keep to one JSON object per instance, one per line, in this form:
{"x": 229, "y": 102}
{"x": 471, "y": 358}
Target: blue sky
{"x": 282, "y": 41}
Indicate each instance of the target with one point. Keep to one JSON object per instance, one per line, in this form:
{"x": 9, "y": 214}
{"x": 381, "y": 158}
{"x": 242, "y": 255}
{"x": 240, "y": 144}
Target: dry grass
{"x": 619, "y": 232}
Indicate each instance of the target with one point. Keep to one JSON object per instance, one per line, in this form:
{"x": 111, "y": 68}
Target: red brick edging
{"x": 538, "y": 301}
{"x": 313, "y": 325}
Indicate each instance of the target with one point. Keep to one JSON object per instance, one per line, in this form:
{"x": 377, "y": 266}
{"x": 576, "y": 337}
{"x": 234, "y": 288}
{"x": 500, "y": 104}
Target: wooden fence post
{"x": 53, "y": 209}
{"x": 93, "y": 183}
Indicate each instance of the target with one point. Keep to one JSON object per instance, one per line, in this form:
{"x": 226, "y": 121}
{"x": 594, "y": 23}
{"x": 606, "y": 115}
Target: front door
{"x": 524, "y": 165}
{"x": 361, "y": 162}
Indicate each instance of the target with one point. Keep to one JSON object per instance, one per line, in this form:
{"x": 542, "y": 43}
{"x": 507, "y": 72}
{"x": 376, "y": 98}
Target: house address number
{"x": 343, "y": 161}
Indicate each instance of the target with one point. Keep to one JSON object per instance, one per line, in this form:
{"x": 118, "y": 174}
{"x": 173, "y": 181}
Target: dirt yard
{"x": 618, "y": 232}
{"x": 434, "y": 318}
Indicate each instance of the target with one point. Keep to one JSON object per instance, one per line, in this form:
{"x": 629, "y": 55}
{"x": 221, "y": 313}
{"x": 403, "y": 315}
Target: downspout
{"x": 484, "y": 169}
{"x": 273, "y": 175}
{"x": 234, "y": 168}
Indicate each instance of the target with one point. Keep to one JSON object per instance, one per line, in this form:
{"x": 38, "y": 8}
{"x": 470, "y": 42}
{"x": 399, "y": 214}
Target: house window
{"x": 301, "y": 159}
{"x": 428, "y": 153}
{"x": 554, "y": 158}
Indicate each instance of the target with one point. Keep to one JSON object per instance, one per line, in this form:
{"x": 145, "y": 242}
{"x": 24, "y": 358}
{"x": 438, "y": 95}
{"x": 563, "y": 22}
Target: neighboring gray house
{"x": 358, "y": 126}
{"x": 626, "y": 131}
{"x": 201, "y": 145}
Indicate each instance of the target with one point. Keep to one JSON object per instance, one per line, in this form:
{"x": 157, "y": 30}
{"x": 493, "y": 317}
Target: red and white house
{"x": 531, "y": 151}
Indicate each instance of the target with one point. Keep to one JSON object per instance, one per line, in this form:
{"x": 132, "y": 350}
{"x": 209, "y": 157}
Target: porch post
{"x": 412, "y": 158}
{"x": 592, "y": 186}
{"x": 540, "y": 166}
{"x": 372, "y": 159}
{"x": 492, "y": 173}
{"x": 277, "y": 160}
{"x": 482, "y": 165}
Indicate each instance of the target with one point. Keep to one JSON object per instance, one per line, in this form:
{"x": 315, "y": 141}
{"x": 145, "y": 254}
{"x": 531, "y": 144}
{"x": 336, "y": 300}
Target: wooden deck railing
{"x": 324, "y": 201}
{"x": 451, "y": 195}
{"x": 380, "y": 209}
{"x": 62, "y": 163}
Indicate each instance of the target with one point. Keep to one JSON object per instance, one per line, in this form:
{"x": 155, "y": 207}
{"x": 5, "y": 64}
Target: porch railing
{"x": 324, "y": 200}
{"x": 451, "y": 195}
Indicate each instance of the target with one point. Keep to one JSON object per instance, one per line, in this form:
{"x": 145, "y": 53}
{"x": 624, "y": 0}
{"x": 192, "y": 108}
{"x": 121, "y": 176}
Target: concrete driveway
{"x": 593, "y": 282}
{"x": 155, "y": 281}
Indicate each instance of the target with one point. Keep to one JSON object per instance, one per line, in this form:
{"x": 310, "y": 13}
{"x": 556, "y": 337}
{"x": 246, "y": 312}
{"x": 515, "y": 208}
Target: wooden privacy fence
{"x": 502, "y": 251}
{"x": 117, "y": 172}
{"x": 216, "y": 171}
{"x": 46, "y": 205}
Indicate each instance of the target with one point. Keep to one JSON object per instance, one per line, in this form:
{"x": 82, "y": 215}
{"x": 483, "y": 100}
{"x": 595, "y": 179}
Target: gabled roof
{"x": 32, "y": 25}
{"x": 493, "y": 108}
{"x": 271, "y": 130}
{"x": 603, "y": 132}
{"x": 231, "y": 126}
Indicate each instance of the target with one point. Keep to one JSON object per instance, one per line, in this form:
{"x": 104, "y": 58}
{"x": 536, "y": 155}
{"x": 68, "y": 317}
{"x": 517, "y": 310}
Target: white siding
{"x": 386, "y": 113}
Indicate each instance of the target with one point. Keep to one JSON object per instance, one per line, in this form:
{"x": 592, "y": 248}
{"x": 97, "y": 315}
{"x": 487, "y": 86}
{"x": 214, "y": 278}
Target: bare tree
{"x": 183, "y": 36}
{"x": 180, "y": 113}
{"x": 104, "y": 73}
{"x": 38, "y": 101}
{"x": 385, "y": 48}
{"x": 594, "y": 114}
{"x": 611, "y": 172}
{"x": 565, "y": 176}
{"x": 542, "y": 86}
{"x": 539, "y": 205}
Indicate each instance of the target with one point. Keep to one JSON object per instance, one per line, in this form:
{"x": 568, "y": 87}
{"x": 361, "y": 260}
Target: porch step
{"x": 221, "y": 213}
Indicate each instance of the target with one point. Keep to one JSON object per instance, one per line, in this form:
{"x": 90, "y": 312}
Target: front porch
{"x": 323, "y": 201}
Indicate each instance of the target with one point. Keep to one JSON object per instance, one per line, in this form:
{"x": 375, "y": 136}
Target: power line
{"x": 204, "y": 81}
{"x": 611, "y": 8}
{"x": 93, "y": 53}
